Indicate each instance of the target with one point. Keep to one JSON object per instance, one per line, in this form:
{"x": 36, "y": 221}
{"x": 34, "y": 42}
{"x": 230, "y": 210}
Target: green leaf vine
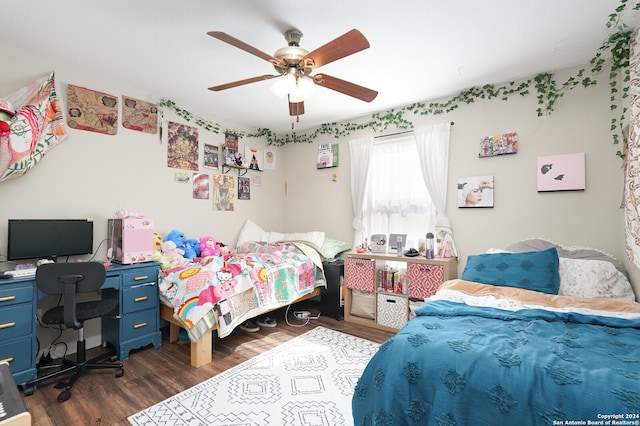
{"x": 548, "y": 91}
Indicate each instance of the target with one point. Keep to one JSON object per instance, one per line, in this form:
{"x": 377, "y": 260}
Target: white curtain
{"x": 397, "y": 200}
{"x": 433, "y": 150}
{"x": 360, "y": 150}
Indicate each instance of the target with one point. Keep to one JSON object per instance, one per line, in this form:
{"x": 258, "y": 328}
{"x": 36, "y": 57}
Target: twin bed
{"x": 266, "y": 271}
{"x": 538, "y": 334}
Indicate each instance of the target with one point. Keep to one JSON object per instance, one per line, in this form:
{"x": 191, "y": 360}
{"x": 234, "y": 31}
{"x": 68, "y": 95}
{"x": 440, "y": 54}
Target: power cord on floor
{"x": 304, "y": 316}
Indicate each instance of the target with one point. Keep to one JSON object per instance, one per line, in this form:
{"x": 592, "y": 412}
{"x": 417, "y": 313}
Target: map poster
{"x": 139, "y": 115}
{"x": 92, "y": 111}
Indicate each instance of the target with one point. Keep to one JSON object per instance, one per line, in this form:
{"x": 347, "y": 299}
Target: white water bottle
{"x": 399, "y": 246}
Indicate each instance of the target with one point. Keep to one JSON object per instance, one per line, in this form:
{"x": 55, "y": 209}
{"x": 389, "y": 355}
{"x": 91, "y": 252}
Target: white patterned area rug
{"x": 308, "y": 380}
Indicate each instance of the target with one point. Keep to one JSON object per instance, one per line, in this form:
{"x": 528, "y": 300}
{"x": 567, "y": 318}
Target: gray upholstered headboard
{"x": 534, "y": 244}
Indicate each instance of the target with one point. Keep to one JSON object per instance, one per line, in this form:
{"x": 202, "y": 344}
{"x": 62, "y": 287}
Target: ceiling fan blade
{"x": 345, "y": 45}
{"x": 246, "y": 47}
{"x": 345, "y": 87}
{"x": 296, "y": 108}
{"x": 242, "y": 82}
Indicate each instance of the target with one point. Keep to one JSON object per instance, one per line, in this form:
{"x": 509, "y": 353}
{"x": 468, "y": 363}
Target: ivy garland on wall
{"x": 544, "y": 85}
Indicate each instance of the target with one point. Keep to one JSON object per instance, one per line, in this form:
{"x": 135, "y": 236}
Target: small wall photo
{"x": 475, "y": 191}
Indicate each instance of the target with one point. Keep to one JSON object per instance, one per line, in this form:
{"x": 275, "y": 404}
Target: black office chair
{"x": 69, "y": 280}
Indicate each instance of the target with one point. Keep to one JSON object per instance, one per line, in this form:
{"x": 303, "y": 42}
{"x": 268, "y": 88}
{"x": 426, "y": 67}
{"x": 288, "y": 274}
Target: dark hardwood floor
{"x": 98, "y": 398}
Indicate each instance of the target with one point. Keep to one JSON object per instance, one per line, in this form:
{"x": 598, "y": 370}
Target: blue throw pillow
{"x": 533, "y": 270}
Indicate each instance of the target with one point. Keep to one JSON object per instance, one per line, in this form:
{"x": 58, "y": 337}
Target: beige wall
{"x": 580, "y": 123}
{"x": 91, "y": 175}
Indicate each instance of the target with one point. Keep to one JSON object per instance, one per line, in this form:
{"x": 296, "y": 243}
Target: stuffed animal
{"x": 157, "y": 241}
{"x": 169, "y": 256}
{"x": 209, "y": 247}
{"x": 192, "y": 246}
{"x": 182, "y": 243}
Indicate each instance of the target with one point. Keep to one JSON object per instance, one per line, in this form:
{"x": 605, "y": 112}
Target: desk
{"x": 135, "y": 326}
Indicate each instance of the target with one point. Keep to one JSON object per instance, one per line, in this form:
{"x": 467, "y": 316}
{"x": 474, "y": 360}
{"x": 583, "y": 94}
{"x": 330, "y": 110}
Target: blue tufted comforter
{"x": 462, "y": 361}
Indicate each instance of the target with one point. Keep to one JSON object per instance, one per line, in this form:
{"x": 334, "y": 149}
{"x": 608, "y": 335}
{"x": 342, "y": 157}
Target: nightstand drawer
{"x": 139, "y": 297}
{"x": 424, "y": 279}
{"x": 12, "y": 296}
{"x": 139, "y": 324}
{"x": 140, "y": 276}
{"x": 15, "y": 321}
{"x": 360, "y": 274}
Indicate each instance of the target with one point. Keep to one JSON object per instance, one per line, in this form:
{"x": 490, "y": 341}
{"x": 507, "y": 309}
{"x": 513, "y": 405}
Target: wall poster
{"x": 182, "y": 149}
{"x": 210, "y": 156}
{"x": 201, "y": 186}
{"x": 327, "y": 155}
{"x": 244, "y": 188}
{"x": 92, "y": 111}
{"x": 223, "y": 192}
{"x": 139, "y": 115}
{"x": 565, "y": 172}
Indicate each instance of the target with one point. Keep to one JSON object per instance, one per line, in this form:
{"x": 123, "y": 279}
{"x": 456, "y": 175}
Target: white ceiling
{"x": 420, "y": 49}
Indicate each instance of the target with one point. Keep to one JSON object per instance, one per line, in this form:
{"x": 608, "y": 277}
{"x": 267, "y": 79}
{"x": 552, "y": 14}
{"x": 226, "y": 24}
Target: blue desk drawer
{"x": 139, "y": 324}
{"x": 11, "y": 296}
{"x": 17, "y": 353}
{"x": 139, "y": 297}
{"x": 140, "y": 276}
{"x": 111, "y": 282}
{"x": 15, "y": 321}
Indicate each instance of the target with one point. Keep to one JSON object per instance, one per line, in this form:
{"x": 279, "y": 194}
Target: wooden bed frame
{"x": 201, "y": 350}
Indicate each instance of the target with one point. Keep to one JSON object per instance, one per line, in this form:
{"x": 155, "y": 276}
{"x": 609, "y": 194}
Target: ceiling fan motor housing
{"x": 292, "y": 54}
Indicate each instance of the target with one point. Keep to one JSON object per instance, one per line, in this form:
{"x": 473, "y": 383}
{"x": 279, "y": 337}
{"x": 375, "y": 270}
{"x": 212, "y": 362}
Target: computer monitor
{"x": 49, "y": 238}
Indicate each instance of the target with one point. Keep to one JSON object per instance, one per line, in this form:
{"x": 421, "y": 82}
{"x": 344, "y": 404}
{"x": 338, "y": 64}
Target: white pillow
{"x": 315, "y": 239}
{"x": 251, "y": 232}
{"x": 593, "y": 278}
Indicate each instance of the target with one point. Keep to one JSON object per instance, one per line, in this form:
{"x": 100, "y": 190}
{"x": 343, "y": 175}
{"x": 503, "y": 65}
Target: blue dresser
{"x": 135, "y": 326}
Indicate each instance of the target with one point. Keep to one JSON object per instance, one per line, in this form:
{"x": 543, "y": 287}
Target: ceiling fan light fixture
{"x": 294, "y": 84}
{"x": 285, "y": 85}
{"x": 303, "y": 89}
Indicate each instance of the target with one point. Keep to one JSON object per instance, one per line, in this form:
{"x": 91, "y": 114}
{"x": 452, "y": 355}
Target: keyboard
{"x": 19, "y": 273}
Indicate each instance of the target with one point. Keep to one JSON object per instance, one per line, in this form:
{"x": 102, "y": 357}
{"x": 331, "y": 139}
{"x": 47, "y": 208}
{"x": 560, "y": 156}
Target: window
{"x": 396, "y": 197}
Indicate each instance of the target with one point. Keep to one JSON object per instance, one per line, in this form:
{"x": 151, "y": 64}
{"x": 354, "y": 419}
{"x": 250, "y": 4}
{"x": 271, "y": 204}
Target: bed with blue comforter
{"x": 479, "y": 354}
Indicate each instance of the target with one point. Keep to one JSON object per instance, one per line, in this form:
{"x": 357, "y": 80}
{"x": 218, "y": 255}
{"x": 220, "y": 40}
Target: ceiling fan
{"x": 294, "y": 66}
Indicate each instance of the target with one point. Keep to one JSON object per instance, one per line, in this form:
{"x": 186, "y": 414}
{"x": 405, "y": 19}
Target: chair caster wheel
{"x": 119, "y": 372}
{"x": 64, "y": 395}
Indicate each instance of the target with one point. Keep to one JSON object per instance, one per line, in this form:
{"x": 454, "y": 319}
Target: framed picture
{"x": 475, "y": 191}
{"x": 564, "y": 172}
{"x": 499, "y": 145}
